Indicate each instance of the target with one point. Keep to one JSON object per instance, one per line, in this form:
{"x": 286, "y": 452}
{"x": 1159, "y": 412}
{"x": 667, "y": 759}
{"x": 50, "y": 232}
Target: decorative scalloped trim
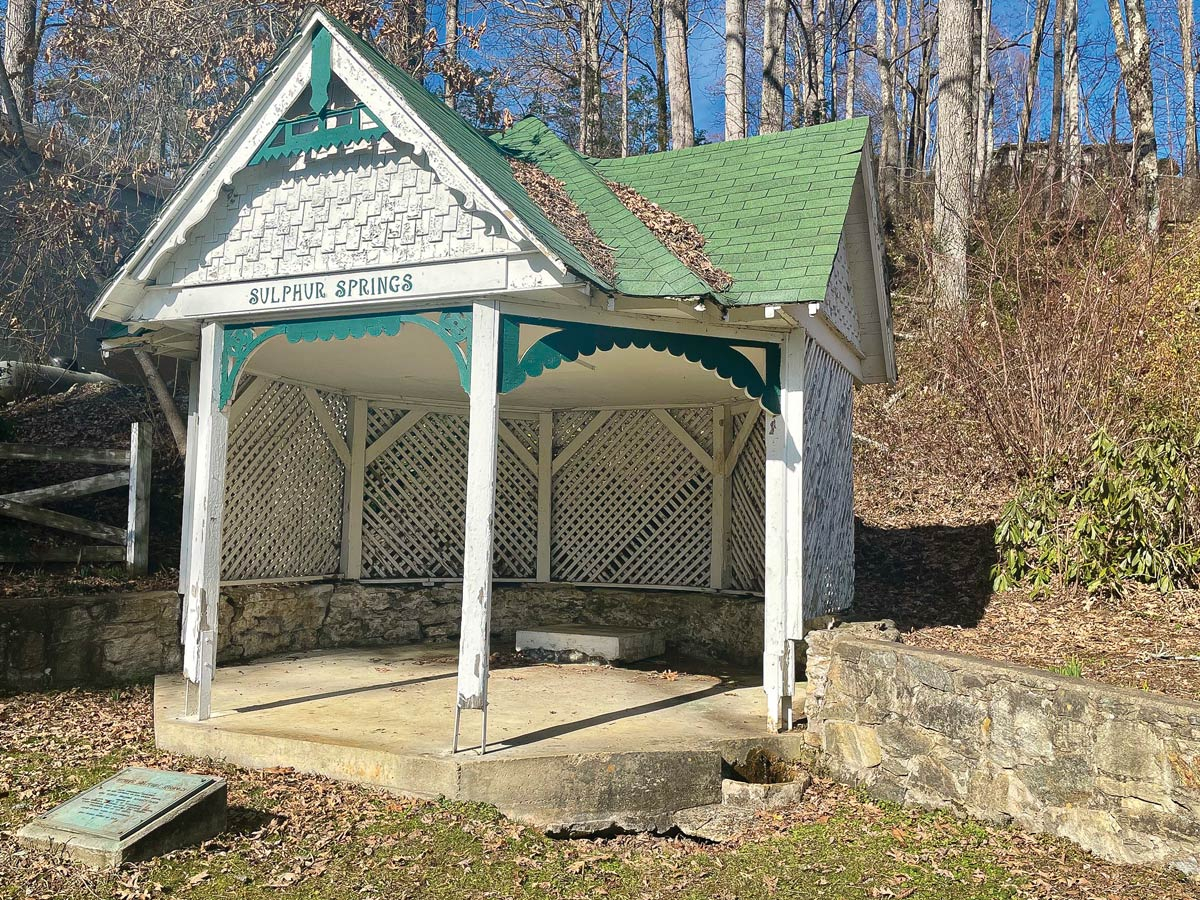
{"x": 453, "y": 327}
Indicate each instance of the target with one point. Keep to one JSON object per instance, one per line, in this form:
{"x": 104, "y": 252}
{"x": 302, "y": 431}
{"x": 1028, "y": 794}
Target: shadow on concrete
{"x": 328, "y": 695}
{"x": 923, "y": 576}
{"x": 543, "y": 734}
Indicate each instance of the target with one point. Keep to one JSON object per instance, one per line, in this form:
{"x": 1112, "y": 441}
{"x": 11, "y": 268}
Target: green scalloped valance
{"x": 571, "y": 340}
{"x": 452, "y": 326}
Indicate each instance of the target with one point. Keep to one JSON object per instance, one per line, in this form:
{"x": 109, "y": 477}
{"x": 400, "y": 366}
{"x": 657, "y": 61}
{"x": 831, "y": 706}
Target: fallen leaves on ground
{"x": 295, "y": 835}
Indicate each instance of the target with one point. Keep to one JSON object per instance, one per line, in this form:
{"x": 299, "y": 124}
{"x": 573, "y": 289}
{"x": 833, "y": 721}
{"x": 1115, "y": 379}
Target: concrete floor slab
{"x": 569, "y": 747}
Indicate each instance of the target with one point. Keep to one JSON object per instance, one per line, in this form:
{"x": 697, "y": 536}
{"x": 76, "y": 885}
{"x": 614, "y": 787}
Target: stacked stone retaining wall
{"x": 97, "y": 639}
{"x": 1114, "y": 769}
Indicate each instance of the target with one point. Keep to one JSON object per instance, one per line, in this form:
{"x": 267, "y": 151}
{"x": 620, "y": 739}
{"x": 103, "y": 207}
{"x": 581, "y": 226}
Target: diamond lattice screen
{"x": 632, "y": 506}
{"x": 283, "y": 488}
{"x": 747, "y": 511}
{"x": 414, "y": 500}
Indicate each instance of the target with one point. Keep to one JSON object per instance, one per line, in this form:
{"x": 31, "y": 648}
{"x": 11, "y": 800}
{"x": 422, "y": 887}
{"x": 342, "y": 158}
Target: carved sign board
{"x": 304, "y": 293}
{"x": 135, "y": 814}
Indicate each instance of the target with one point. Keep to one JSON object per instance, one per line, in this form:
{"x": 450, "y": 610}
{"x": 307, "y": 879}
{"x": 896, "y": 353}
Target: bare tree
{"x": 1072, "y": 138}
{"x": 658, "y": 29}
{"x": 1187, "y": 28}
{"x": 774, "y": 68}
{"x": 21, "y": 42}
{"x": 889, "y": 128}
{"x": 953, "y": 157}
{"x": 1041, "y": 10}
{"x": 852, "y": 62}
{"x": 735, "y": 69}
{"x": 590, "y": 14}
{"x": 983, "y": 92}
{"x": 683, "y": 128}
{"x": 1131, "y": 31}
{"x": 451, "y": 93}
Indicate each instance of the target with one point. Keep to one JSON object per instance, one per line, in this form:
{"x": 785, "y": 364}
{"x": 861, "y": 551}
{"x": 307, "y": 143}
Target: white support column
{"x": 204, "y": 567}
{"x": 722, "y": 475}
{"x": 189, "y": 480}
{"x": 545, "y": 476}
{"x": 474, "y": 642}
{"x": 784, "y": 543}
{"x": 352, "y": 506}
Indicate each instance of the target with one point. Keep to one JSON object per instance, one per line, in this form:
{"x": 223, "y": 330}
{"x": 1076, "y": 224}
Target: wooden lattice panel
{"x": 747, "y": 511}
{"x": 414, "y": 500}
{"x": 283, "y": 488}
{"x": 632, "y": 505}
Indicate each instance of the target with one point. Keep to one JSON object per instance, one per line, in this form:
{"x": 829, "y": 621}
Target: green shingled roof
{"x": 645, "y": 267}
{"x": 771, "y": 207}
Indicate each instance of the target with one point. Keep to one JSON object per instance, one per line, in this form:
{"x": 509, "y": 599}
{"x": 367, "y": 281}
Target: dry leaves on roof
{"x": 676, "y": 233}
{"x": 551, "y": 195}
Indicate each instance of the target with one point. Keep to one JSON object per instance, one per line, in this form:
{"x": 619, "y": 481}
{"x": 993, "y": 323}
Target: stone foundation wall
{"x": 97, "y": 639}
{"x": 1116, "y": 770}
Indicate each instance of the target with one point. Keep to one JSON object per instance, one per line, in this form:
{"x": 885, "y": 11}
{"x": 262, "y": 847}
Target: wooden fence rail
{"x": 130, "y": 543}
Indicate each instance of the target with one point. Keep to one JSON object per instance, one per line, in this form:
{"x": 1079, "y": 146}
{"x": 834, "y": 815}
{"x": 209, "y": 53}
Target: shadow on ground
{"x": 923, "y": 576}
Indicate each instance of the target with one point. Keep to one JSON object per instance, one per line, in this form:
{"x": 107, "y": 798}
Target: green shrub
{"x": 1071, "y": 668}
{"x": 1119, "y": 515}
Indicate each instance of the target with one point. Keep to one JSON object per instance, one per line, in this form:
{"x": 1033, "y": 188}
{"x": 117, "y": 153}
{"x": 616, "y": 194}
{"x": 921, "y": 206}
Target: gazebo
{"x": 424, "y": 353}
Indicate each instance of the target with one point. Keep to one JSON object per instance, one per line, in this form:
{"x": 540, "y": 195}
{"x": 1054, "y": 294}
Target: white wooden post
{"x": 791, "y": 400}
{"x": 784, "y": 544}
{"x": 137, "y": 529}
{"x": 722, "y": 476}
{"x": 474, "y": 642}
{"x": 352, "y": 506}
{"x": 545, "y": 476}
{"x": 204, "y": 568}
{"x": 189, "y": 482}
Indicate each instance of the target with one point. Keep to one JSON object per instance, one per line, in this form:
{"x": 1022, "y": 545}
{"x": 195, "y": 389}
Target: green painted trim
{"x": 453, "y": 327}
{"x": 573, "y": 340}
{"x": 317, "y": 132}
{"x": 322, "y": 42}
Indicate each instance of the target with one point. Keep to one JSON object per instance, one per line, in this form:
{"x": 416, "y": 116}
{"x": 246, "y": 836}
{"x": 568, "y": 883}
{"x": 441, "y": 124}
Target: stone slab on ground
{"x": 134, "y": 815}
{"x": 600, "y": 643}
{"x": 571, "y": 749}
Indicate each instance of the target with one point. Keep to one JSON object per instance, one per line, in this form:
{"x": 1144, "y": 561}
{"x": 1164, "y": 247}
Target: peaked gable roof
{"x": 771, "y": 208}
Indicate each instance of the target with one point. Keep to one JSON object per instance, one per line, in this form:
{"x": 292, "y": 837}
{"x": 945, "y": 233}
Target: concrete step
{"x": 589, "y": 643}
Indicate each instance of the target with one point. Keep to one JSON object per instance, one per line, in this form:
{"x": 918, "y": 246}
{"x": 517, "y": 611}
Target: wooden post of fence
{"x": 137, "y": 532}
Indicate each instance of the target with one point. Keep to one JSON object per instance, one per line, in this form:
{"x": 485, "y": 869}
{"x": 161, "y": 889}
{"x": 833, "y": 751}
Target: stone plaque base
{"x": 135, "y": 815}
{"x": 590, "y": 643}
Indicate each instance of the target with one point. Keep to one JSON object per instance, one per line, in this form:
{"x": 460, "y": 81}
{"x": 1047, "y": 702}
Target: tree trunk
{"x": 1187, "y": 25}
{"x": 1073, "y": 139}
{"x": 735, "y": 69}
{"x": 1041, "y": 10}
{"x": 20, "y": 52}
{"x": 774, "y": 69}
{"x": 889, "y": 135}
{"x": 983, "y": 90}
{"x": 589, "y": 76}
{"x": 683, "y": 128}
{"x": 851, "y": 65}
{"x": 660, "y": 72}
{"x": 451, "y": 49}
{"x": 1054, "y": 144}
{"x": 953, "y": 158}
{"x": 625, "y": 90}
{"x": 1133, "y": 52}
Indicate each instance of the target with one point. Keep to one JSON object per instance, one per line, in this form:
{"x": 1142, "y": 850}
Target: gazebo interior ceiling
{"x": 415, "y": 365}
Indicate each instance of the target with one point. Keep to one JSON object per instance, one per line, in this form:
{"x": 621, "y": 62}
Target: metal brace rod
{"x": 483, "y": 739}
